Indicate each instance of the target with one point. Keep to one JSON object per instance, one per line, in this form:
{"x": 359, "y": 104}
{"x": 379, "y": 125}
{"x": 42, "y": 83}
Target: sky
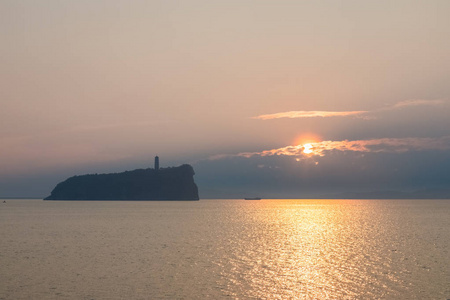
{"x": 271, "y": 98}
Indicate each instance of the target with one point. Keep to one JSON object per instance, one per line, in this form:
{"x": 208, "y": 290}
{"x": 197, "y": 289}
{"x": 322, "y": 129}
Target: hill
{"x": 176, "y": 183}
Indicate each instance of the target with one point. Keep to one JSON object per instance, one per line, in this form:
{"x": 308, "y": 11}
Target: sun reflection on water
{"x": 307, "y": 247}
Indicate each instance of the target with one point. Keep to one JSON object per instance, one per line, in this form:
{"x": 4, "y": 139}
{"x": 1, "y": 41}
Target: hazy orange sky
{"x": 91, "y": 86}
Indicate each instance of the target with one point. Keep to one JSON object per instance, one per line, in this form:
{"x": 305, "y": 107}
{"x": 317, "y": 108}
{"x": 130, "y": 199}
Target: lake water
{"x": 268, "y": 249}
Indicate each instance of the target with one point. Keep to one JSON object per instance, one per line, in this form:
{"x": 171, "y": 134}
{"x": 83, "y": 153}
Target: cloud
{"x": 392, "y": 145}
{"x": 309, "y": 114}
{"x": 417, "y": 103}
{"x": 357, "y": 113}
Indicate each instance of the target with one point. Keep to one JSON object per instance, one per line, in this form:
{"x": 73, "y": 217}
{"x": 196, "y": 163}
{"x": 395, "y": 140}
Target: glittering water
{"x": 268, "y": 249}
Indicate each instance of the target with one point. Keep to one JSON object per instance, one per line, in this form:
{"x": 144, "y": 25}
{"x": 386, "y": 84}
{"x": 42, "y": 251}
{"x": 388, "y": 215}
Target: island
{"x": 173, "y": 183}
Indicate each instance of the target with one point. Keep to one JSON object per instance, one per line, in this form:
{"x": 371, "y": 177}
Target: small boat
{"x": 252, "y": 198}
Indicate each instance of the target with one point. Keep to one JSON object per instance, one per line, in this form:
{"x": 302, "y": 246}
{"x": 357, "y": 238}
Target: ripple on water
{"x": 270, "y": 249}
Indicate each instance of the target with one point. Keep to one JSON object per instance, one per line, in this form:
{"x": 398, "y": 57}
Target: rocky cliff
{"x": 175, "y": 183}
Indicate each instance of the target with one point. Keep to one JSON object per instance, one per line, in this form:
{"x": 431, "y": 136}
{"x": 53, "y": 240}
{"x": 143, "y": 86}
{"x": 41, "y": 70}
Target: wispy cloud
{"x": 392, "y": 145}
{"x": 309, "y": 114}
{"x": 356, "y": 113}
{"x": 417, "y": 103}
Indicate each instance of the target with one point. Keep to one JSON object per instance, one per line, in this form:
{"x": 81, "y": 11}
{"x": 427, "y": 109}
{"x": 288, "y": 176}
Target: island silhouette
{"x": 173, "y": 183}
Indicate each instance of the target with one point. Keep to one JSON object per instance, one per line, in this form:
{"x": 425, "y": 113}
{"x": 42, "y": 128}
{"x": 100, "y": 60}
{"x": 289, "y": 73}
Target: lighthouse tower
{"x": 156, "y": 163}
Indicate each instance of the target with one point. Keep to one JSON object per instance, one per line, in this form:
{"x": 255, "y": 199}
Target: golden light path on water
{"x": 315, "y": 249}
{"x": 291, "y": 252}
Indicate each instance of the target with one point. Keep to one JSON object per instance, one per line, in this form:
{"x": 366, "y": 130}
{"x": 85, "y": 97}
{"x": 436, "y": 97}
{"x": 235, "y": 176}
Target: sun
{"x": 307, "y": 143}
{"x": 307, "y": 148}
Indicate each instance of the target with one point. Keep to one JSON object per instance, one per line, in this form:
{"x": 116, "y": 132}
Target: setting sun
{"x": 307, "y": 148}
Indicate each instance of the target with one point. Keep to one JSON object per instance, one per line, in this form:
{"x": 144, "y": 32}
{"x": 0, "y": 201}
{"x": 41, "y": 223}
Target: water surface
{"x": 268, "y": 249}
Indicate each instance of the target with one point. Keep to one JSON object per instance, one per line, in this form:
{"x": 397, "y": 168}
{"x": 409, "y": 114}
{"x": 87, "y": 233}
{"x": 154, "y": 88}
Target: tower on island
{"x": 156, "y": 163}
